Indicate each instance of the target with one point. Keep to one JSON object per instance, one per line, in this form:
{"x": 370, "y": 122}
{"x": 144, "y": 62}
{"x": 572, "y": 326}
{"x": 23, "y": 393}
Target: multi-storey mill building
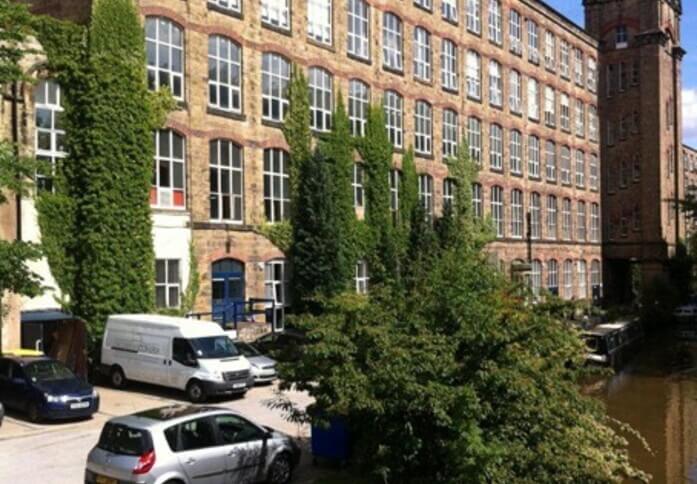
{"x": 516, "y": 77}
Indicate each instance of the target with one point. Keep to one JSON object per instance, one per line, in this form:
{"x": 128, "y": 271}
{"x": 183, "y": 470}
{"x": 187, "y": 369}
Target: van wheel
{"x": 117, "y": 378}
{"x": 195, "y": 391}
{"x": 280, "y": 470}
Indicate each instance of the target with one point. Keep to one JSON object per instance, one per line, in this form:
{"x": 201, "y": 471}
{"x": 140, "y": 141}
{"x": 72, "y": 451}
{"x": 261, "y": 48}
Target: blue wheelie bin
{"x": 331, "y": 443}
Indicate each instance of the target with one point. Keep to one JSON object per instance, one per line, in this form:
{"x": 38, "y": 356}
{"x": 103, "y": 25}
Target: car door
{"x": 7, "y": 396}
{"x": 201, "y": 455}
{"x": 245, "y": 448}
{"x": 20, "y": 388}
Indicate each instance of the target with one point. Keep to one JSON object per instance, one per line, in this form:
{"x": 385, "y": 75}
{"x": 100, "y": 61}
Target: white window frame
{"x": 320, "y": 84}
{"x": 580, "y": 119}
{"x": 497, "y": 215}
{"x": 595, "y": 223}
{"x": 48, "y": 135}
{"x": 581, "y": 227}
{"x": 578, "y": 67}
{"x": 515, "y": 91}
{"x": 449, "y": 10}
{"x": 516, "y": 152}
{"x": 535, "y": 216}
{"x": 477, "y": 200}
{"x": 422, "y": 54}
{"x": 277, "y": 288}
{"x": 552, "y": 215}
{"x": 553, "y": 276}
{"x": 163, "y": 35}
{"x": 533, "y": 99}
{"x": 358, "y": 29}
{"x": 474, "y": 139}
{"x": 319, "y": 21}
{"x": 275, "y": 80}
{"x": 394, "y": 117}
{"x": 565, "y": 165}
{"x": 474, "y": 75}
{"x": 231, "y": 5}
{"x": 165, "y": 195}
{"x": 550, "y": 107}
{"x": 361, "y": 277}
{"x": 495, "y": 22}
{"x": 230, "y": 175}
{"x": 449, "y": 65}
{"x": 533, "y": 41}
{"x": 395, "y": 183}
{"x": 550, "y": 51}
{"x": 495, "y": 84}
{"x": 449, "y": 189}
{"x": 276, "y": 185}
{"x": 225, "y": 61}
{"x": 594, "y": 171}
{"x": 581, "y": 275}
{"x": 564, "y": 57}
{"x": 276, "y": 13}
{"x": 358, "y": 105}
{"x": 496, "y": 147}
{"x": 536, "y": 277}
{"x": 580, "y": 158}
{"x": 357, "y": 183}
{"x": 533, "y": 156}
{"x": 565, "y": 112}
{"x": 515, "y": 32}
{"x": 551, "y": 160}
{"x": 517, "y": 214}
{"x": 566, "y": 220}
{"x": 171, "y": 286}
{"x": 392, "y": 42}
{"x": 426, "y": 194}
{"x": 474, "y": 16}
{"x": 568, "y": 269}
{"x": 451, "y": 133}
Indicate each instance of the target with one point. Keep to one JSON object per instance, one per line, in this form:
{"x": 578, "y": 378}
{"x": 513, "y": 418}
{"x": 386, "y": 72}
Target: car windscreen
{"x": 47, "y": 370}
{"x": 213, "y": 347}
{"x": 124, "y": 440}
{"x": 247, "y": 350}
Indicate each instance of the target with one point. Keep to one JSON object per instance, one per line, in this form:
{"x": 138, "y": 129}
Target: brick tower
{"x": 639, "y": 105}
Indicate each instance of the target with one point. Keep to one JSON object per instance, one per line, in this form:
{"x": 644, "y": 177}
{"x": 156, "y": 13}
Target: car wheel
{"x": 33, "y": 413}
{"x": 117, "y": 378}
{"x": 280, "y": 470}
{"x": 195, "y": 391}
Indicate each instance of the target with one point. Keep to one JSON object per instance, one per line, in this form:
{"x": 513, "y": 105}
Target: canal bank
{"x": 656, "y": 393}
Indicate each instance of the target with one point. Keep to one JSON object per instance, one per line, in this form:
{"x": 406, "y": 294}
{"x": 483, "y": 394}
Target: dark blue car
{"x": 44, "y": 388}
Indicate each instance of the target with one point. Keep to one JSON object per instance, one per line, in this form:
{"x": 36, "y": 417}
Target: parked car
{"x": 44, "y": 388}
{"x": 191, "y": 355}
{"x": 263, "y": 367}
{"x": 283, "y": 345}
{"x": 190, "y": 444}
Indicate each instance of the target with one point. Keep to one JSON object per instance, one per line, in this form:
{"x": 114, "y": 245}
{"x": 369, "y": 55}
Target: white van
{"x": 191, "y": 355}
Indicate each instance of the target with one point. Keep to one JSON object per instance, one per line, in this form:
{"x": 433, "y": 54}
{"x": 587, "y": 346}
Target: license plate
{"x": 76, "y": 406}
{"x": 239, "y": 385}
{"x": 106, "y": 480}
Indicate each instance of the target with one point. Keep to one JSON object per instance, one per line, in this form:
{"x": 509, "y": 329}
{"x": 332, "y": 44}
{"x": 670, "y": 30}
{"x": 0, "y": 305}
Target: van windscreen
{"x": 214, "y": 347}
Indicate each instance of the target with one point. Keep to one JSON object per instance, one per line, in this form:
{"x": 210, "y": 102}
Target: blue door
{"x": 228, "y": 290}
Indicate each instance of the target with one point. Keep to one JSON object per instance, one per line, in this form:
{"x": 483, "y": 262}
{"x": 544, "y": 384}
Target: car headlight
{"x": 56, "y": 399}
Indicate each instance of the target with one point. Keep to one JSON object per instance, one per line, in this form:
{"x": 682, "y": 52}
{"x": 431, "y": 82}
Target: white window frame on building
{"x": 449, "y": 10}
{"x": 449, "y": 65}
{"x": 580, "y": 119}
{"x": 564, "y": 59}
{"x": 553, "y": 276}
{"x": 167, "y": 283}
{"x": 425, "y": 4}
{"x": 422, "y": 54}
{"x": 566, "y": 220}
{"x": 275, "y": 79}
{"x": 277, "y": 285}
{"x": 536, "y": 277}
{"x": 361, "y": 277}
{"x": 474, "y": 16}
{"x": 533, "y": 156}
{"x": 592, "y": 74}
{"x": 474, "y": 75}
{"x": 565, "y": 112}
{"x": 495, "y": 22}
{"x": 358, "y": 29}
{"x": 497, "y": 213}
{"x": 423, "y": 128}
{"x": 533, "y": 99}
{"x": 596, "y": 278}
{"x": 164, "y": 38}
{"x": 551, "y": 161}
{"x": 550, "y": 51}
{"x": 169, "y": 177}
{"x": 568, "y": 279}
{"x": 320, "y": 84}
{"x": 496, "y": 147}
{"x": 225, "y": 83}
{"x": 550, "y": 107}
{"x": 595, "y": 223}
{"x": 517, "y": 214}
{"x": 515, "y": 32}
{"x": 449, "y": 189}
{"x": 392, "y": 42}
{"x": 581, "y": 221}
{"x": 426, "y": 194}
{"x": 358, "y": 104}
{"x": 319, "y": 21}
{"x": 226, "y": 172}
{"x": 451, "y": 133}
{"x": 477, "y": 200}
{"x": 49, "y": 135}
{"x": 230, "y": 5}
{"x": 394, "y": 117}
{"x": 276, "y": 13}
{"x": 358, "y": 185}
{"x": 594, "y": 169}
{"x": 565, "y": 164}
{"x": 495, "y": 84}
{"x": 516, "y": 152}
{"x": 395, "y": 183}
{"x": 533, "y": 42}
{"x": 593, "y": 123}
{"x": 276, "y": 185}
{"x": 580, "y": 169}
{"x": 578, "y": 67}
{"x": 474, "y": 139}
{"x": 582, "y": 273}
{"x": 515, "y": 91}
{"x": 552, "y": 215}
{"x": 621, "y": 37}
{"x": 535, "y": 216}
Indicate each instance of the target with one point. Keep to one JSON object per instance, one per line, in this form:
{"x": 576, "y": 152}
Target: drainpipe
{"x": 14, "y": 99}
{"x": 678, "y": 54}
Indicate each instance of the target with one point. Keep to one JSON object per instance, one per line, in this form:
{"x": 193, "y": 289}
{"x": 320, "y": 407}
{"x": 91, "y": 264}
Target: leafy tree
{"x": 296, "y": 128}
{"x": 15, "y": 171}
{"x": 103, "y": 256}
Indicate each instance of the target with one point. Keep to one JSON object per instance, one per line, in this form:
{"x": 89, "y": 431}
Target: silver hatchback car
{"x": 187, "y": 444}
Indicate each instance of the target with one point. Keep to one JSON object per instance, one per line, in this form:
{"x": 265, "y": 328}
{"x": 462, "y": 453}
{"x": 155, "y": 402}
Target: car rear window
{"x": 124, "y": 440}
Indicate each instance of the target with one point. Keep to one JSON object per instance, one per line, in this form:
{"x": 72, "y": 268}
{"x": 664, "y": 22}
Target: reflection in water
{"x": 656, "y": 393}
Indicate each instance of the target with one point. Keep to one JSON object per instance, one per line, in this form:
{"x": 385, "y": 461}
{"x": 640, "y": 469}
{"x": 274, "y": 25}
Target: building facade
{"x": 525, "y": 86}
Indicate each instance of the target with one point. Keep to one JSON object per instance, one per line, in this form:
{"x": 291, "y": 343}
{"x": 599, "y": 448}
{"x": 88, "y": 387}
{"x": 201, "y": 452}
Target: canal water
{"x": 656, "y": 393}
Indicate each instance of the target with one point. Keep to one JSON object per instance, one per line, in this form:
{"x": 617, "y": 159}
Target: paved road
{"x": 56, "y": 453}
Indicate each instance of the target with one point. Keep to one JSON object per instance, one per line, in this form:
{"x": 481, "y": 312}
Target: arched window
{"x": 226, "y": 181}
{"x": 321, "y": 99}
{"x": 164, "y": 45}
{"x": 276, "y": 185}
{"x": 536, "y": 277}
{"x": 423, "y": 128}
{"x": 224, "y": 74}
{"x": 358, "y": 104}
{"x": 275, "y": 77}
{"x": 582, "y": 278}
{"x": 422, "y": 54}
{"x": 553, "y": 277}
{"x": 497, "y": 210}
{"x": 426, "y": 193}
{"x": 392, "y": 42}
{"x": 49, "y": 134}
{"x": 394, "y": 118}
{"x": 568, "y": 279}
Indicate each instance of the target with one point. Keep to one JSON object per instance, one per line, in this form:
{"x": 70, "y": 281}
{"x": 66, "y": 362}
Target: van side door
{"x": 182, "y": 365}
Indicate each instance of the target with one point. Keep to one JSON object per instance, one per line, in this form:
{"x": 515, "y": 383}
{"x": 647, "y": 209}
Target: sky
{"x": 574, "y": 10}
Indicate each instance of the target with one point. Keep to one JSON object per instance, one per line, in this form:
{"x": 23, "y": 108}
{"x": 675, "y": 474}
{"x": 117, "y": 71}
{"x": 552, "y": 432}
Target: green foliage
{"x": 102, "y": 256}
{"x": 16, "y": 172}
{"x": 296, "y": 128}
{"x": 316, "y": 254}
{"x": 376, "y": 152}
{"x": 279, "y": 233}
{"x": 15, "y": 29}
{"x": 194, "y": 284}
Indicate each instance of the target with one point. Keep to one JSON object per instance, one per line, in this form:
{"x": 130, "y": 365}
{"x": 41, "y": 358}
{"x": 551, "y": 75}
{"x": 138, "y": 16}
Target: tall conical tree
{"x": 113, "y": 171}
{"x": 296, "y": 129}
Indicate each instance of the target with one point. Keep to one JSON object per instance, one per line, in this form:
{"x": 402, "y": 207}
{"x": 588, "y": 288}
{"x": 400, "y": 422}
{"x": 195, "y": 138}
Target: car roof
{"x": 24, "y": 360}
{"x": 186, "y": 327}
{"x": 168, "y": 415}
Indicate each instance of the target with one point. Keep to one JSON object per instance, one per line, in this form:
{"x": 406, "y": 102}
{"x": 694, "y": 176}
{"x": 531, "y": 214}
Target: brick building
{"x": 689, "y": 166}
{"x": 516, "y": 77}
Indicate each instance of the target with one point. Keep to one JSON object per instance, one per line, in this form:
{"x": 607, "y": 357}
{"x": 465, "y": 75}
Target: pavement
{"x": 55, "y": 453}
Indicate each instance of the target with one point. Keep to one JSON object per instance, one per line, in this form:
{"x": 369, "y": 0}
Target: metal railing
{"x": 235, "y": 312}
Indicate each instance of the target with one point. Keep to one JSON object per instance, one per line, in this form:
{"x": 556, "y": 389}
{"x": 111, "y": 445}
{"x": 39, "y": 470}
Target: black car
{"x": 44, "y": 388}
{"x": 283, "y": 345}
